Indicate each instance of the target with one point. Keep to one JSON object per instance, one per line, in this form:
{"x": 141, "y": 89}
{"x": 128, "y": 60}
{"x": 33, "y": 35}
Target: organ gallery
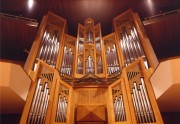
{"x": 91, "y": 79}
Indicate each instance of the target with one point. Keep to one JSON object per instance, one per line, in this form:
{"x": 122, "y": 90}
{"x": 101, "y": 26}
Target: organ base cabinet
{"x": 91, "y": 79}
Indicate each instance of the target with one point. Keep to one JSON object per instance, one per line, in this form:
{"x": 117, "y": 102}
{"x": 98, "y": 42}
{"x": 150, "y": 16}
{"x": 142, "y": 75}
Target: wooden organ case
{"x": 91, "y": 79}
{"x": 90, "y": 56}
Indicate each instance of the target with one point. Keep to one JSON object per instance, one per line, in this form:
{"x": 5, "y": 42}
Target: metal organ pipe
{"x": 42, "y": 44}
{"x": 53, "y": 59}
{"x": 116, "y": 64}
{"x": 67, "y": 63}
{"x": 99, "y": 66}
{"x": 127, "y": 51}
{"x": 89, "y": 65}
{"x": 148, "y": 101}
{"x": 89, "y": 38}
{"x": 141, "y": 102}
{"x": 131, "y": 46}
{"x": 39, "y": 104}
{"x": 49, "y": 48}
{"x": 123, "y": 47}
{"x": 36, "y": 95}
{"x": 136, "y": 108}
{"x": 134, "y": 31}
{"x": 115, "y": 107}
{"x": 135, "y": 47}
{"x": 98, "y": 46}
{"x": 119, "y": 110}
{"x": 112, "y": 60}
{"x": 79, "y": 67}
{"x": 61, "y": 109}
{"x": 127, "y": 45}
{"x": 81, "y": 47}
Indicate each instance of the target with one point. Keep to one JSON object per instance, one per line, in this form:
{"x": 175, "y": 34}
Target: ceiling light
{"x": 30, "y": 3}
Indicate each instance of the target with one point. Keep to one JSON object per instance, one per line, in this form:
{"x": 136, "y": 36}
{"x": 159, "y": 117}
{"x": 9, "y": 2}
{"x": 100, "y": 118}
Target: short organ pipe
{"x": 67, "y": 62}
{"x": 119, "y": 110}
{"x": 141, "y": 102}
{"x": 112, "y": 60}
{"x": 39, "y": 104}
{"x": 61, "y": 109}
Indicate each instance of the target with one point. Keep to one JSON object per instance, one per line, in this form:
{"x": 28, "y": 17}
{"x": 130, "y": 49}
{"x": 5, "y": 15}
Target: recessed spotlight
{"x": 150, "y": 6}
{"x": 30, "y": 3}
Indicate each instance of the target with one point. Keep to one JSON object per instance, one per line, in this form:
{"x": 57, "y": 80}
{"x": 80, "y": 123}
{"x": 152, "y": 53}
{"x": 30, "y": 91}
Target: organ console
{"x": 110, "y": 73}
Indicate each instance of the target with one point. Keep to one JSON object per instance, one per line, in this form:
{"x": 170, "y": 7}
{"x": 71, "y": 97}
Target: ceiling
{"x": 76, "y": 11}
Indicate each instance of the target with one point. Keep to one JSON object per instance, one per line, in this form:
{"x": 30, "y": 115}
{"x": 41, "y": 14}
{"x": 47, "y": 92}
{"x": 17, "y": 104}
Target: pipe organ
{"x": 129, "y": 40}
{"x": 91, "y": 79}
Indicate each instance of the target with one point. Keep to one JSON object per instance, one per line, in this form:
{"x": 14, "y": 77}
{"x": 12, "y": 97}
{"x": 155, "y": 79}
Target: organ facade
{"x": 91, "y": 79}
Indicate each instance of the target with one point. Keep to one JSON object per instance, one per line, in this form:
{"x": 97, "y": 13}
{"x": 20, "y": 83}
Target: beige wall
{"x": 14, "y": 87}
{"x": 166, "y": 84}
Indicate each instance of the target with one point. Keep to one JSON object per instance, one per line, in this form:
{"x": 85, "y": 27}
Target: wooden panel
{"x": 90, "y": 113}
{"x": 90, "y": 123}
{"x": 90, "y": 96}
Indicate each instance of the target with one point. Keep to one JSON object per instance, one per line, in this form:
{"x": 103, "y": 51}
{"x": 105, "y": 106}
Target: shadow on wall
{"x": 171, "y": 117}
{"x": 10, "y": 118}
